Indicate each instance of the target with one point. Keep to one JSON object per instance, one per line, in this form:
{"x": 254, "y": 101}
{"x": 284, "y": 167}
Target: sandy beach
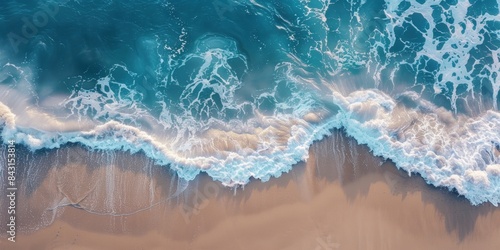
{"x": 342, "y": 198}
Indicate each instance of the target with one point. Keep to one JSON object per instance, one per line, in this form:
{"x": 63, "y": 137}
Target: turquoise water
{"x": 240, "y": 89}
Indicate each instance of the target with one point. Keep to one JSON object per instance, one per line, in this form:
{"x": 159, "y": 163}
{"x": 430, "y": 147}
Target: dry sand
{"x": 327, "y": 203}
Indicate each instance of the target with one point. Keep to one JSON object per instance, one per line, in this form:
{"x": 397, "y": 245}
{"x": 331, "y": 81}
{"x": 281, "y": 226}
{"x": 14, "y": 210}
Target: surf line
{"x": 11, "y": 190}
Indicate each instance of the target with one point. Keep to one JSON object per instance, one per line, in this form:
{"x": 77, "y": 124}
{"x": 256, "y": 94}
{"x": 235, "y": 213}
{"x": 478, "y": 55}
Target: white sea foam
{"x": 454, "y": 54}
{"x": 7, "y": 118}
{"x": 455, "y": 152}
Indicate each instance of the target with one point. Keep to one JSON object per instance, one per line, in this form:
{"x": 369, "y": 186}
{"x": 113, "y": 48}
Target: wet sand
{"x": 342, "y": 198}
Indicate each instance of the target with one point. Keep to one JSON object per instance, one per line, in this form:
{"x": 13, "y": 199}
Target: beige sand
{"x": 325, "y": 204}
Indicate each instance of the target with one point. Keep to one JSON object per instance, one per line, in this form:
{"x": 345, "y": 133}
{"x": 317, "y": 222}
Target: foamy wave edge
{"x": 469, "y": 165}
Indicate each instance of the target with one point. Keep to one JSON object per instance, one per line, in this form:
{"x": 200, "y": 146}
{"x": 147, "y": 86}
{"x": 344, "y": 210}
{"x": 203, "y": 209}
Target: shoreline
{"x": 346, "y": 200}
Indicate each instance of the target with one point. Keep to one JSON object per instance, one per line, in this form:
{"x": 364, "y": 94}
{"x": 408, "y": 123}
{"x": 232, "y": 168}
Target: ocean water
{"x": 240, "y": 89}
